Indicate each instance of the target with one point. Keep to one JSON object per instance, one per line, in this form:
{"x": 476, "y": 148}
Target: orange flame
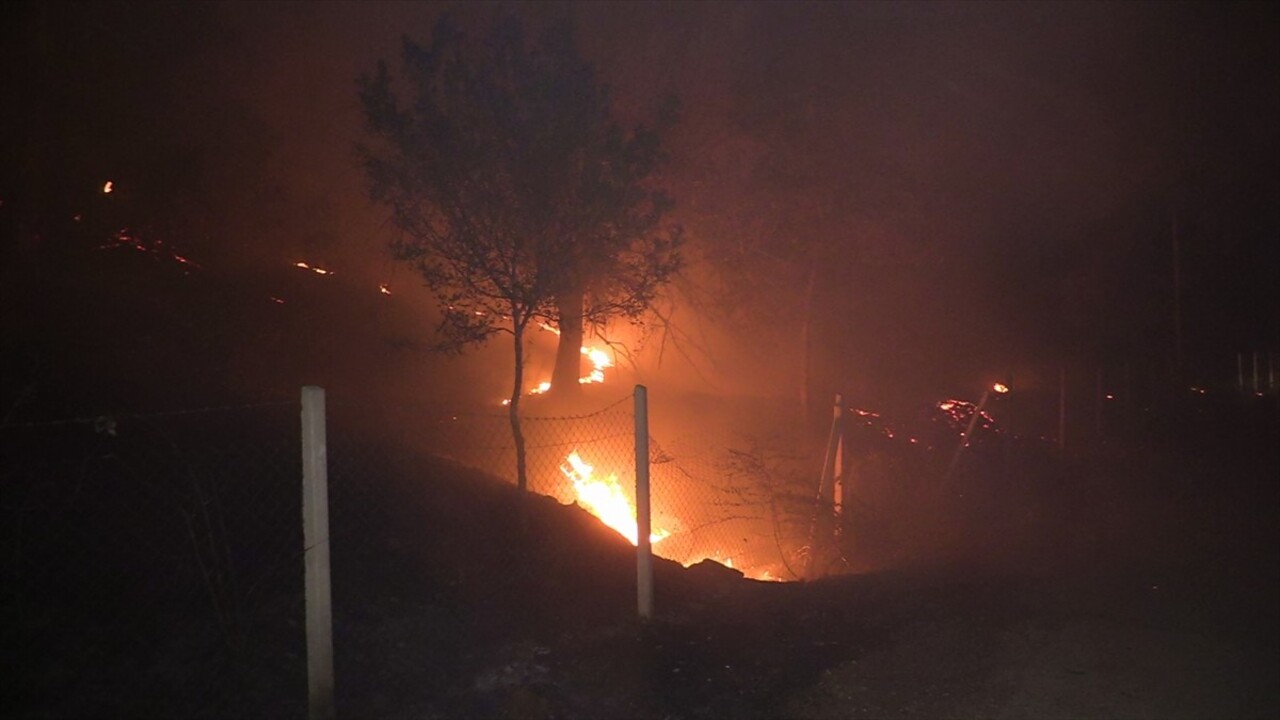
{"x": 600, "y": 360}
{"x": 108, "y": 187}
{"x": 384, "y": 289}
{"x": 604, "y": 499}
{"x": 312, "y": 268}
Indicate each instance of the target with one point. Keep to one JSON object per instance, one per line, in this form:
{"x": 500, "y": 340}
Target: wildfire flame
{"x": 600, "y": 360}
{"x": 312, "y": 268}
{"x": 604, "y": 498}
{"x": 126, "y": 238}
{"x": 107, "y": 187}
{"x": 384, "y": 288}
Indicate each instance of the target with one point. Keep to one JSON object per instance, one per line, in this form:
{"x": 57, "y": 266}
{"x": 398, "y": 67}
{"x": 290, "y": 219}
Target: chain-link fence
{"x": 437, "y": 558}
{"x": 603, "y": 439}
{"x": 711, "y": 496}
{"x": 155, "y": 563}
{"x": 743, "y": 502}
{"x": 151, "y": 565}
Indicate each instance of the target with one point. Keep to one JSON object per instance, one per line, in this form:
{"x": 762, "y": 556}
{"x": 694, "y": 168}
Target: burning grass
{"x": 605, "y": 498}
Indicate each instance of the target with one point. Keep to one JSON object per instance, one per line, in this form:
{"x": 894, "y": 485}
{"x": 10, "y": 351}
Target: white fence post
{"x": 315, "y": 543}
{"x": 831, "y": 469}
{"x": 644, "y": 550}
{"x": 822, "y": 528}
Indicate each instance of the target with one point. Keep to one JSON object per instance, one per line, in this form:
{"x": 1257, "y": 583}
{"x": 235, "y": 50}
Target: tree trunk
{"x": 568, "y": 368}
{"x": 513, "y": 408}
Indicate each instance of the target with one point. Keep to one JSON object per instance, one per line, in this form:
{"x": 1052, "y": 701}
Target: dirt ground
{"x": 1138, "y": 583}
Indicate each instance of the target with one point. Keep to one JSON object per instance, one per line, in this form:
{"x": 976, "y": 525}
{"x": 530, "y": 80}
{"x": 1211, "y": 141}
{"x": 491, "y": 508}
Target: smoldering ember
{"x": 640, "y": 360}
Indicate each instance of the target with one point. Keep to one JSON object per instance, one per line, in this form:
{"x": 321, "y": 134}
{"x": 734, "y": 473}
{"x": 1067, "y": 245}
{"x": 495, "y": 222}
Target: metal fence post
{"x": 822, "y": 528}
{"x": 831, "y": 463}
{"x": 315, "y": 543}
{"x": 644, "y": 550}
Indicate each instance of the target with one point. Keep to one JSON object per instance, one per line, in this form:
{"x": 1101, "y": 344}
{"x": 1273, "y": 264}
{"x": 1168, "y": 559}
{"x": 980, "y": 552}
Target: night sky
{"x": 984, "y": 186}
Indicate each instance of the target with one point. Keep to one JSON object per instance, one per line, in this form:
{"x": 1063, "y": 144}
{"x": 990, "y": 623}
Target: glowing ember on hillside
{"x": 604, "y": 499}
{"x": 108, "y": 187}
{"x": 959, "y": 412}
{"x": 384, "y": 289}
{"x": 312, "y": 268}
{"x": 127, "y": 238}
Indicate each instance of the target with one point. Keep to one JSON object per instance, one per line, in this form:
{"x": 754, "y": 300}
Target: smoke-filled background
{"x": 896, "y": 200}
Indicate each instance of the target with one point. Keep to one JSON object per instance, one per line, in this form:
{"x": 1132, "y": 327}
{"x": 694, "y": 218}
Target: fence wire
{"x": 381, "y": 457}
{"x": 604, "y": 439}
{"x": 713, "y": 496}
{"x": 152, "y": 565}
{"x": 737, "y": 501}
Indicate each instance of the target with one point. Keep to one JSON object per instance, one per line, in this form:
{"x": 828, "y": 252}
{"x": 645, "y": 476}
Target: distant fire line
{"x": 315, "y": 269}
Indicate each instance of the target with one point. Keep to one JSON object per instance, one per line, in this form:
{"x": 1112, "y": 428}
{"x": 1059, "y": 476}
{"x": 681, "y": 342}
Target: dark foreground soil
{"x": 1136, "y": 583}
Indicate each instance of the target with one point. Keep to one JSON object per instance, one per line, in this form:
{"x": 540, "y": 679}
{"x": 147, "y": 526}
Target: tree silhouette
{"x": 520, "y": 198}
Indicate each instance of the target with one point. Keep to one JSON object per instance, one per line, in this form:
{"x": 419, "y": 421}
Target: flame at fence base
{"x": 606, "y": 499}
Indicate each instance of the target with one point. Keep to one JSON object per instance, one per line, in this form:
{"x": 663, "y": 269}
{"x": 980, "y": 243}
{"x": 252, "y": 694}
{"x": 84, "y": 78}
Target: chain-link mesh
{"x": 435, "y": 554}
{"x": 152, "y": 565}
{"x": 711, "y": 496}
{"x": 604, "y": 439}
{"x": 155, "y": 563}
{"x": 372, "y": 446}
{"x": 744, "y": 503}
